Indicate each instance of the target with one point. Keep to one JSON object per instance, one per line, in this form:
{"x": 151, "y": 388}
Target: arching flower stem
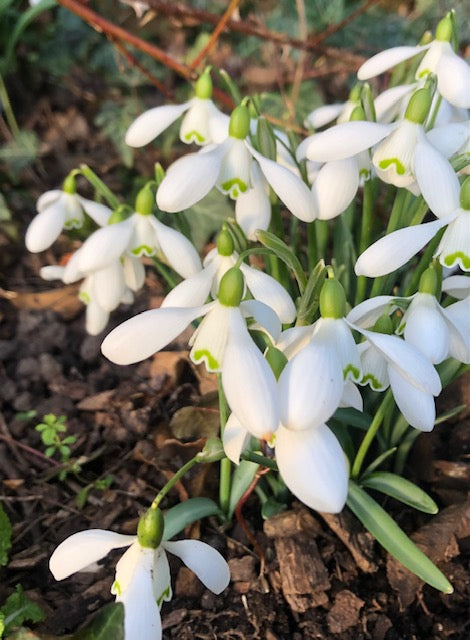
{"x": 225, "y": 464}
{"x": 174, "y": 480}
{"x": 366, "y": 229}
{"x": 98, "y": 185}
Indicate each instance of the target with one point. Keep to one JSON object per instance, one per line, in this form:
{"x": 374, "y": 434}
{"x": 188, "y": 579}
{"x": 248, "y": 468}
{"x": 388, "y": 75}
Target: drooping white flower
{"x": 440, "y": 188}
{"x": 453, "y": 73}
{"x": 203, "y": 123}
{"x": 61, "y": 209}
{"x": 142, "y": 580}
{"x": 227, "y": 166}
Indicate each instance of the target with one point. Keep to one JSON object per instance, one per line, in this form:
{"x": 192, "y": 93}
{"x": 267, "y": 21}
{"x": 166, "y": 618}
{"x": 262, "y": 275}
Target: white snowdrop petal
{"x": 288, "y": 187}
{"x": 145, "y": 334}
{"x": 191, "y": 292}
{"x": 72, "y": 273}
{"x": 416, "y": 405}
{"x": 141, "y": 613}
{"x": 458, "y": 317}
{"x": 407, "y": 360}
{"x": 152, "y": 122}
{"x": 313, "y": 466}
{"x": 337, "y": 335}
{"x": 104, "y": 246}
{"x": 47, "y": 198}
{"x": 210, "y": 339}
{"x": 235, "y": 169}
{"x": 248, "y": 381}
{"x": 189, "y": 179}
{"x": 98, "y": 212}
{"x": 374, "y": 367}
{"x": 386, "y": 60}
{"x": 178, "y": 250}
{"x": 45, "y": 228}
{"x": 134, "y": 273}
{"x": 388, "y": 104}
{"x": 235, "y": 438}
{"x": 264, "y": 315}
{"x": 195, "y": 124}
{"x": 268, "y": 290}
{"x": 310, "y": 387}
{"x": 96, "y": 318}
{"x": 206, "y": 562}
{"x": 395, "y": 249}
{"x": 293, "y": 339}
{"x": 335, "y": 187}
{"x": 393, "y": 157}
{"x": 449, "y": 138}
{"x": 81, "y": 549}
{"x": 162, "y": 590}
{"x": 453, "y": 80}
{"x": 253, "y": 208}
{"x": 457, "y": 286}
{"x": 351, "y": 396}
{"x": 345, "y": 140}
{"x": 108, "y": 286}
{"x": 454, "y": 247}
{"x": 219, "y": 125}
{"x": 368, "y": 312}
{"x": 426, "y": 329}
{"x": 323, "y": 115}
{"x": 52, "y": 272}
{"x": 437, "y": 180}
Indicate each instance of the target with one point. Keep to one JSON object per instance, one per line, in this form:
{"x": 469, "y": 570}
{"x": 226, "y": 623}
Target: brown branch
{"x": 215, "y": 35}
{"x": 334, "y": 28}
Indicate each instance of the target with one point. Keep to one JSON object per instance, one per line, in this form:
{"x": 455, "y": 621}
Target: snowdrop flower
{"x": 221, "y": 341}
{"x": 195, "y": 290}
{"x": 453, "y": 73}
{"x": 440, "y": 188}
{"x": 61, "y": 209}
{"x": 140, "y": 234}
{"x": 142, "y": 579}
{"x": 228, "y": 167}
{"x": 341, "y": 112}
{"x": 457, "y": 286}
{"x": 203, "y": 123}
{"x": 388, "y": 360}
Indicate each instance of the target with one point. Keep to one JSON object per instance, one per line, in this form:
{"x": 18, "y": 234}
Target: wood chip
{"x": 345, "y": 611}
{"x": 360, "y": 543}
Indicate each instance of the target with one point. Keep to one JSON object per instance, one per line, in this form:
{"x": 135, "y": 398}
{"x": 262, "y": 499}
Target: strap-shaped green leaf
{"x": 242, "y": 478}
{"x": 400, "y": 489}
{"x": 187, "y": 512}
{"x": 283, "y": 251}
{"x": 393, "y": 539}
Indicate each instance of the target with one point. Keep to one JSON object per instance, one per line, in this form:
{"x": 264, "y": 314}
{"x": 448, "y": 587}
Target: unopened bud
{"x": 444, "y": 29}
{"x": 225, "y": 246}
{"x": 357, "y": 114}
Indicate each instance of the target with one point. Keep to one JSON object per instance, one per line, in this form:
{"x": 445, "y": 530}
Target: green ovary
{"x": 372, "y": 380}
{"x": 452, "y": 258}
{"x": 230, "y": 186}
{"x": 399, "y": 168}
{"x": 204, "y": 354}
{"x": 194, "y": 135}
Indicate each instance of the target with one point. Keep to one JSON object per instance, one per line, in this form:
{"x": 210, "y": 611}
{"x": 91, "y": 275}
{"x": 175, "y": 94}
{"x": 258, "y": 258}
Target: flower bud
{"x": 418, "y": 106}
{"x": 357, "y": 114}
{"x": 277, "y": 360}
{"x": 465, "y": 194}
{"x": 444, "y": 29}
{"x": 239, "y": 126}
{"x": 332, "y": 299}
{"x": 428, "y": 283}
{"x": 144, "y": 201}
{"x": 355, "y": 93}
{"x": 150, "y": 528}
{"x": 383, "y": 325}
{"x": 231, "y": 288}
{"x": 204, "y": 85}
{"x": 120, "y": 214}
{"x": 159, "y": 173}
{"x": 225, "y": 245}
{"x": 70, "y": 185}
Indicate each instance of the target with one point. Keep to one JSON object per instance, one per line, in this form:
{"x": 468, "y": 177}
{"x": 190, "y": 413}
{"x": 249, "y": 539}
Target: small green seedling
{"x": 51, "y": 430}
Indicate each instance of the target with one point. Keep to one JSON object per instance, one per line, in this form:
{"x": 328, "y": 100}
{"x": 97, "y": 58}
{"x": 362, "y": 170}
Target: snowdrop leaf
{"x": 185, "y": 513}
{"x": 241, "y": 480}
{"x": 400, "y": 489}
{"x": 393, "y": 539}
{"x": 282, "y": 251}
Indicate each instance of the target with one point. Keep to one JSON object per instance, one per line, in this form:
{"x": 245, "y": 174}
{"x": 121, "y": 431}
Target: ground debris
{"x": 345, "y": 611}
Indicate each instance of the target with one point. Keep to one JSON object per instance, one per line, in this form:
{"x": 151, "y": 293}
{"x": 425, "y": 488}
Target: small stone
{"x": 345, "y": 611}
{"x": 242, "y": 569}
{"x": 187, "y": 584}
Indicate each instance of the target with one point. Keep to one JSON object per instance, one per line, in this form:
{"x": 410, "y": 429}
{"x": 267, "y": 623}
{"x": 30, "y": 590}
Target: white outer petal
{"x": 416, "y": 405}
{"x": 96, "y": 318}
{"x": 453, "y": 79}
{"x": 210, "y": 338}
{"x": 264, "y": 316}
{"x": 248, "y": 381}
{"x": 235, "y": 439}
{"x": 147, "y": 333}
{"x": 108, "y": 286}
{"x": 313, "y": 466}
{"x": 104, "y": 246}
{"x": 293, "y": 339}
{"x": 253, "y": 208}
{"x": 100, "y": 213}
{"x": 426, "y": 329}
{"x": 81, "y": 549}
{"x": 288, "y": 187}
{"x": 457, "y": 286}
{"x": 189, "y": 179}
{"x": 152, "y": 122}
{"x": 395, "y": 249}
{"x": 436, "y": 178}
{"x": 346, "y": 140}
{"x": 47, "y": 198}
{"x": 310, "y": 387}
{"x": 268, "y": 290}
{"x": 368, "y": 312}
{"x": 386, "y": 60}
{"x": 458, "y": 318}
{"x": 323, "y": 115}
{"x": 206, "y": 562}
{"x": 178, "y": 250}
{"x": 335, "y": 187}
{"x": 449, "y": 138}
{"x": 191, "y": 292}
{"x": 45, "y": 227}
{"x": 388, "y": 103}
{"x": 52, "y": 272}
{"x": 351, "y": 396}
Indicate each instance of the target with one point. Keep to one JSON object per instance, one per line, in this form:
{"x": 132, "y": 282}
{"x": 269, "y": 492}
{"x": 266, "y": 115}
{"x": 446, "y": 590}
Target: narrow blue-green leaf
{"x": 353, "y": 418}
{"x": 393, "y": 539}
{"x": 379, "y": 460}
{"x": 5, "y": 537}
{"x": 285, "y": 253}
{"x": 310, "y": 299}
{"x": 241, "y": 480}
{"x": 187, "y": 512}
{"x": 400, "y": 489}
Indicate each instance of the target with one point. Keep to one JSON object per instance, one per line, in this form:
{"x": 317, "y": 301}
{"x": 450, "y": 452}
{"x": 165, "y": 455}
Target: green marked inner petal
{"x": 423, "y": 73}
{"x": 354, "y": 371}
{"x": 234, "y": 186}
{"x": 84, "y": 297}
{"x": 399, "y": 168}
{"x": 116, "y": 588}
{"x": 165, "y": 595}
{"x": 203, "y": 355}
{"x": 73, "y": 223}
{"x": 451, "y": 259}
{"x": 143, "y": 250}
{"x": 372, "y": 380}
{"x": 194, "y": 135}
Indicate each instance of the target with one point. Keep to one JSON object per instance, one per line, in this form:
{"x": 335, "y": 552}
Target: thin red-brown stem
{"x": 34, "y": 452}
{"x": 334, "y": 28}
{"x": 215, "y": 35}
